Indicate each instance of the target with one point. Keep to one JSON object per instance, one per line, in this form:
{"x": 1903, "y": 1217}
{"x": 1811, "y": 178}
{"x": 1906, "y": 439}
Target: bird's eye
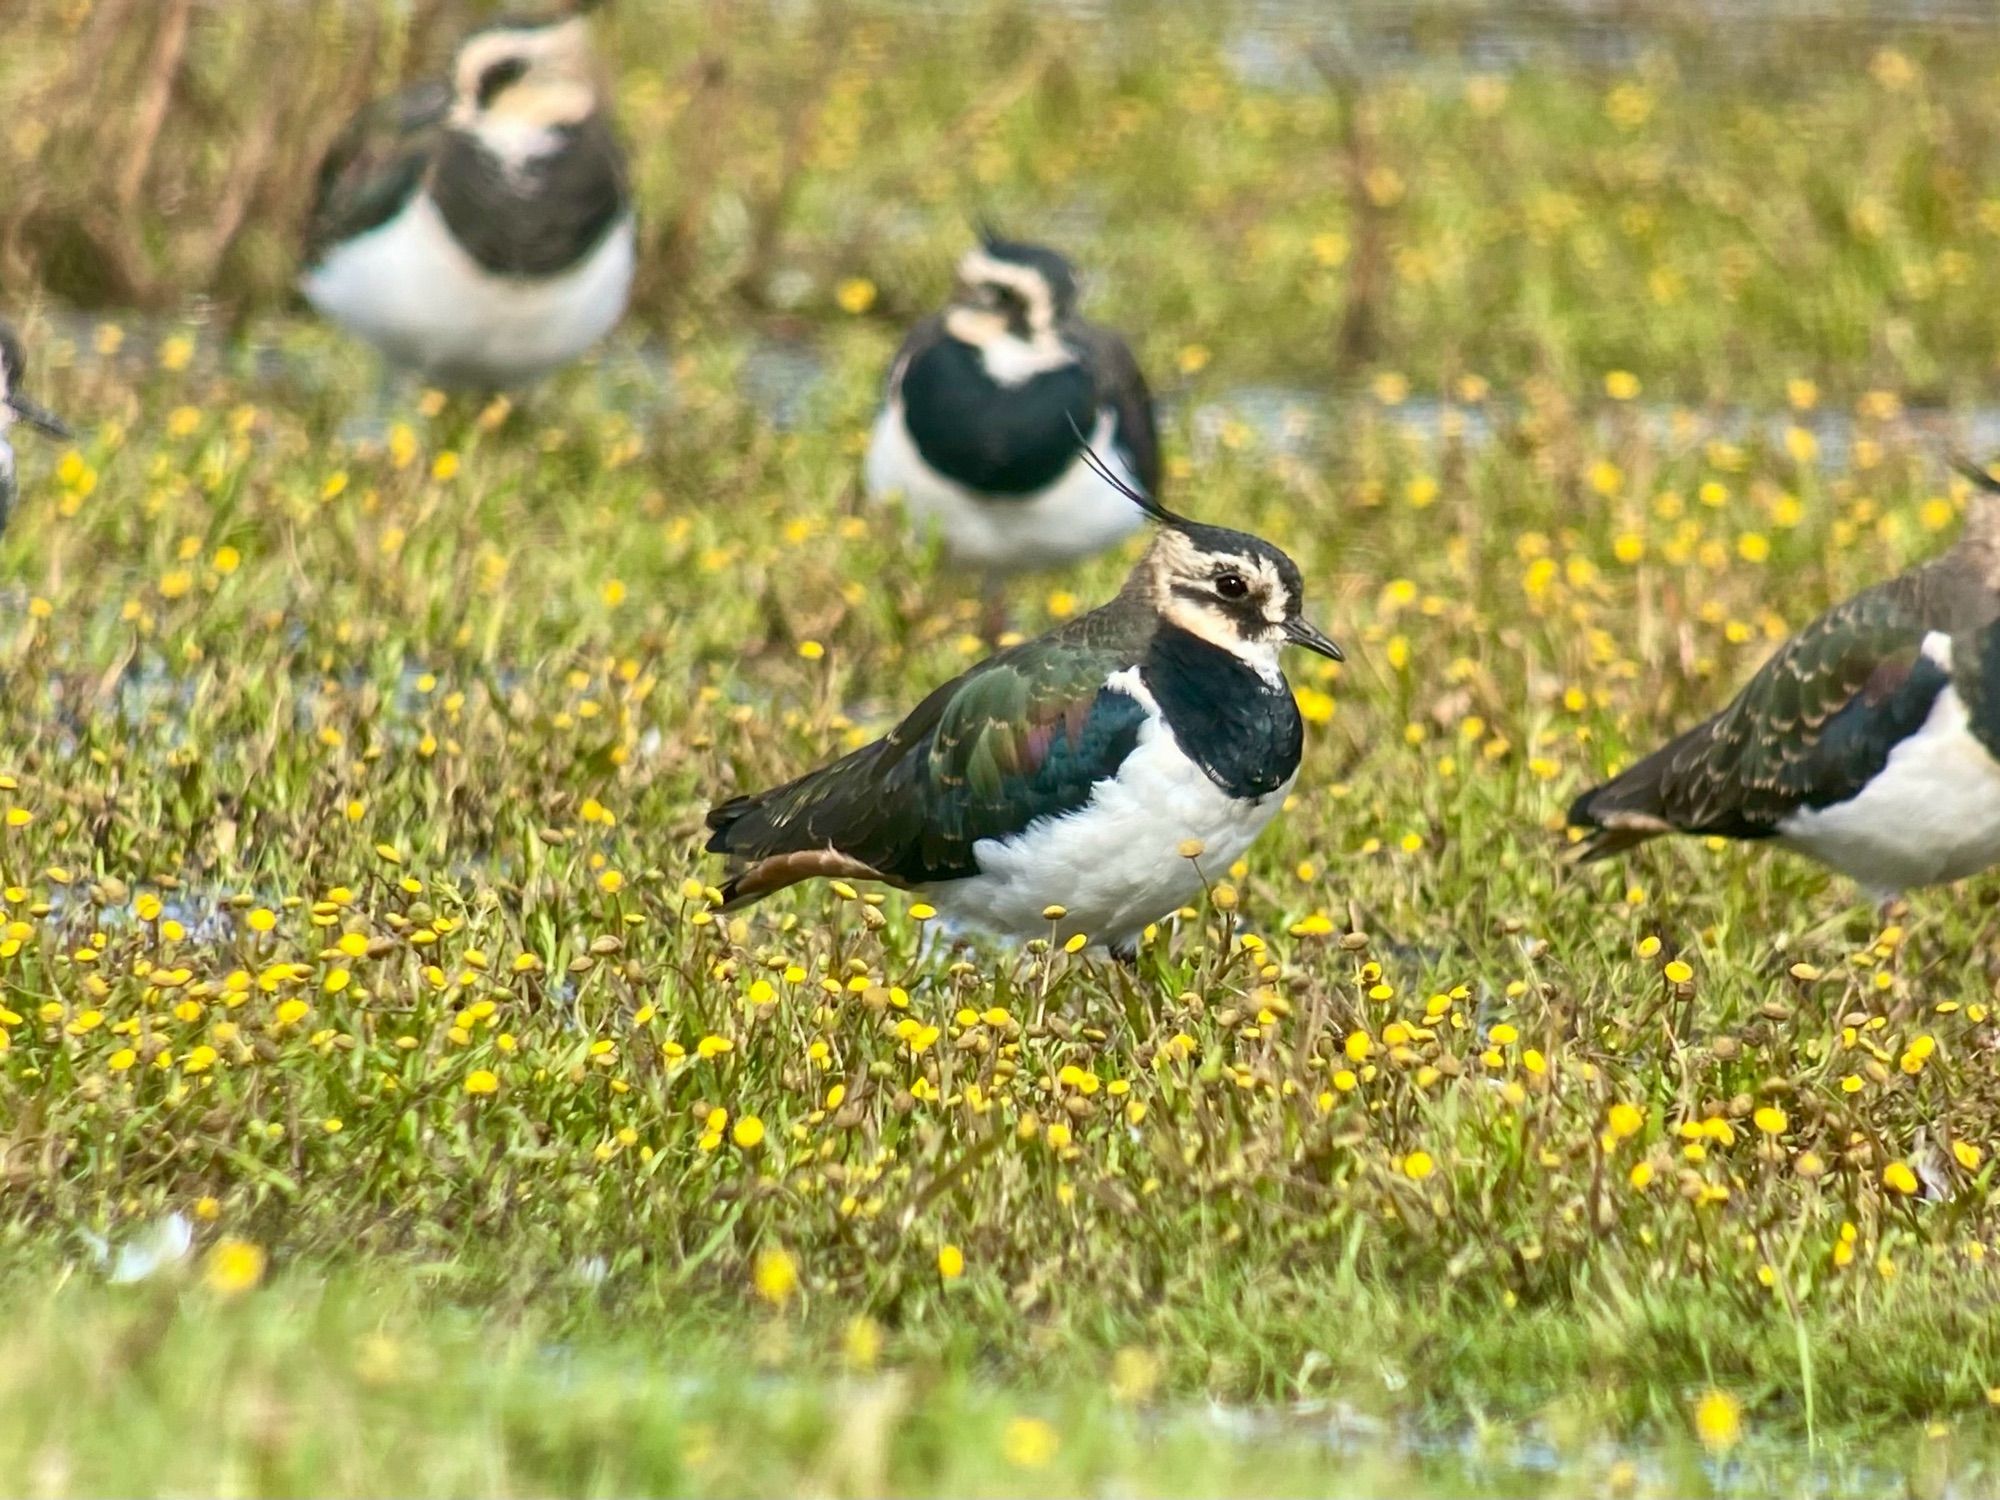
{"x": 499, "y": 78}
{"x": 1231, "y": 585}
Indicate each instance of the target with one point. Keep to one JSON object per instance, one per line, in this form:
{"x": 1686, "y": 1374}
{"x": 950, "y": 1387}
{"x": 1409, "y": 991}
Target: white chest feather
{"x": 1115, "y": 863}
{"x": 410, "y": 289}
{"x": 1076, "y": 516}
{"x": 1930, "y": 817}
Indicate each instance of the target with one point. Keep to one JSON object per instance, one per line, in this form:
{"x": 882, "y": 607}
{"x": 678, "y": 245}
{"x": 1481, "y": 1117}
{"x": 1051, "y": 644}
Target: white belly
{"x": 1932, "y": 815}
{"x": 1073, "y": 518}
{"x": 412, "y": 291}
{"x": 1115, "y": 864}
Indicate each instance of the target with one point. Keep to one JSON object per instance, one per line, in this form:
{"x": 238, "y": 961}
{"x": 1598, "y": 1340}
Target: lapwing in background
{"x": 480, "y": 231}
{"x": 15, "y": 407}
{"x": 1870, "y": 742}
{"x": 979, "y": 428}
{"x": 1079, "y": 769}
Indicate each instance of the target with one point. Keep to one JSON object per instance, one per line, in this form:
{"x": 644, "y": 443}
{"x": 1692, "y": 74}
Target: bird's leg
{"x": 993, "y": 605}
{"x": 370, "y": 426}
{"x": 1126, "y": 974}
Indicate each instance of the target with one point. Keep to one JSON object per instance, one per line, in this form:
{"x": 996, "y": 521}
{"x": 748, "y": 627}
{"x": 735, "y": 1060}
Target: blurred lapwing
{"x": 1099, "y": 768}
{"x": 1870, "y": 742}
{"x": 480, "y": 231}
{"x": 15, "y": 407}
{"x": 978, "y": 431}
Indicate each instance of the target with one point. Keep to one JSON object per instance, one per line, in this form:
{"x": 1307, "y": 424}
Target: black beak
{"x": 1302, "y": 632}
{"x": 38, "y": 417}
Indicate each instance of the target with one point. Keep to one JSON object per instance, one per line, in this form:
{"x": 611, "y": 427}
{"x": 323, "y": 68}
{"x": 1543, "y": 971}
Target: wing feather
{"x": 1121, "y": 385}
{"x": 1810, "y": 730}
{"x": 376, "y": 163}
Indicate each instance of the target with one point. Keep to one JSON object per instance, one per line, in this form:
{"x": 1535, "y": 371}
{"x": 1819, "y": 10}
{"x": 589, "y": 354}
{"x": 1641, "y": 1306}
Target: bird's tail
{"x": 765, "y": 855}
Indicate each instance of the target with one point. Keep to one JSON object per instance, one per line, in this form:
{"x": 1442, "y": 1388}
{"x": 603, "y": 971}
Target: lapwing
{"x": 480, "y": 231}
{"x": 1870, "y": 742}
{"x": 1101, "y": 768}
{"x": 15, "y": 407}
{"x": 978, "y": 429}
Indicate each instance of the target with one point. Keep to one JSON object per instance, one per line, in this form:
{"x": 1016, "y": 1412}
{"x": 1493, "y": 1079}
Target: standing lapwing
{"x": 480, "y": 231}
{"x": 979, "y": 429}
{"x": 1870, "y": 742}
{"x": 1100, "y": 768}
{"x": 15, "y": 407}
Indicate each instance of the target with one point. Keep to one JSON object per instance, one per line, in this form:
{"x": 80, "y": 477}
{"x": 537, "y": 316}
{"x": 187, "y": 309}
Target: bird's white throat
{"x": 1007, "y": 357}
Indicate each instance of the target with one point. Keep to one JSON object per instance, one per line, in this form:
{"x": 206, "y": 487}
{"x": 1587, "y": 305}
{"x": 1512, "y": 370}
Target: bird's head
{"x": 535, "y": 74}
{"x": 1007, "y": 289}
{"x": 1228, "y": 588}
{"x": 1232, "y": 590}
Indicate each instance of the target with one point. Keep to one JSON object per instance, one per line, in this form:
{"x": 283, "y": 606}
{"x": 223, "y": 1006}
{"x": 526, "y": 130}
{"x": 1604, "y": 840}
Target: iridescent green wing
{"x": 376, "y": 164}
{"x": 1811, "y": 729}
{"x": 1024, "y": 735}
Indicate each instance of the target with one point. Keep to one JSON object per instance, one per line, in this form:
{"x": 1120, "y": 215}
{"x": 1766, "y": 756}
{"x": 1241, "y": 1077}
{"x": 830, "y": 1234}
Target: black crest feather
{"x": 1105, "y": 472}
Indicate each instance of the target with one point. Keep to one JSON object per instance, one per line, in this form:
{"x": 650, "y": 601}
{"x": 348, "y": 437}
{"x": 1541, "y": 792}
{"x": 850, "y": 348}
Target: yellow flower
{"x": 1315, "y": 707}
{"x": 482, "y": 1081}
{"x": 1898, "y": 1177}
{"x": 950, "y": 1262}
{"x": 1718, "y": 1421}
{"x": 1029, "y": 1443}
{"x": 861, "y": 1342}
{"x": 775, "y": 1275}
{"x": 1625, "y": 1121}
{"x": 1678, "y": 972}
{"x": 1621, "y": 385}
{"x": 1418, "y": 1165}
{"x": 749, "y": 1132}
{"x": 855, "y": 295}
{"x": 234, "y": 1266}
{"x": 1771, "y": 1120}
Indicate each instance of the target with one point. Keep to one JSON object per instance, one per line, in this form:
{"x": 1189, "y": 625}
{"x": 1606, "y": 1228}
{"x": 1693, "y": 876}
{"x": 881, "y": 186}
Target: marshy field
{"x": 385, "y": 1107}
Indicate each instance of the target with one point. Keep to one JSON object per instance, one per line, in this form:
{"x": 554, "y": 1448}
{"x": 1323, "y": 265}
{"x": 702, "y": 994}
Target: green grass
{"x": 341, "y": 776}
{"x": 349, "y": 1389}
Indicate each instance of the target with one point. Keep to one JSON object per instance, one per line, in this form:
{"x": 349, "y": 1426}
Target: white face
{"x": 538, "y": 77}
{"x": 1236, "y": 600}
{"x": 999, "y": 298}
